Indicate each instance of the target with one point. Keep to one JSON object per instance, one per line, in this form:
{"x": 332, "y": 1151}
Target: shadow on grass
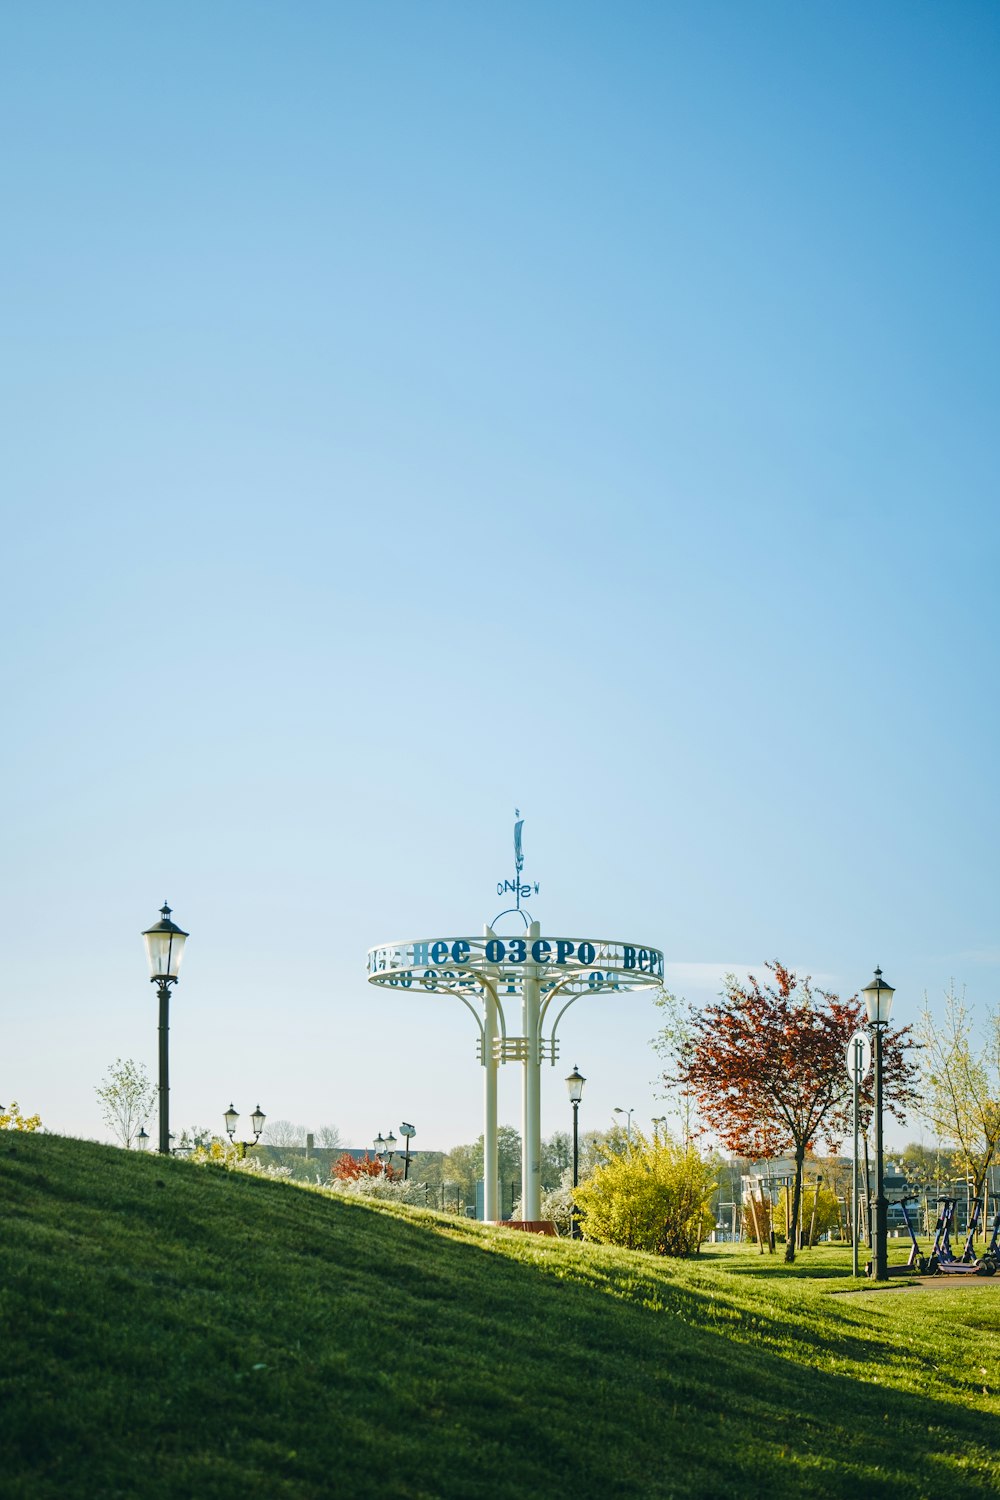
{"x": 178, "y": 1331}
{"x": 774, "y": 1269}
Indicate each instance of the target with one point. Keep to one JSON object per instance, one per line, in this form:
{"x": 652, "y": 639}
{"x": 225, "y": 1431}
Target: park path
{"x": 933, "y": 1284}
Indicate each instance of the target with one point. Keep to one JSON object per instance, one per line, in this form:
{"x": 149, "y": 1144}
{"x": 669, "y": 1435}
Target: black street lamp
{"x": 164, "y": 949}
{"x": 384, "y": 1147}
{"x": 574, "y": 1085}
{"x": 143, "y": 1138}
{"x": 878, "y": 1003}
{"x": 407, "y": 1132}
{"x": 256, "y": 1125}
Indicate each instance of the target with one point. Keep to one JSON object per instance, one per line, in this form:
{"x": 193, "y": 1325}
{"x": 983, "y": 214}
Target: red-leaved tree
{"x": 348, "y": 1168}
{"x": 767, "y": 1068}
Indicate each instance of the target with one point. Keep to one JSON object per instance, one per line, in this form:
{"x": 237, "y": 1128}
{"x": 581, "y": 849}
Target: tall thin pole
{"x": 880, "y": 1257}
{"x": 164, "y": 1090}
{"x": 855, "y": 1206}
{"x": 492, "y": 1205}
{"x": 574, "y": 1229}
{"x": 531, "y": 1196}
{"x": 491, "y": 1152}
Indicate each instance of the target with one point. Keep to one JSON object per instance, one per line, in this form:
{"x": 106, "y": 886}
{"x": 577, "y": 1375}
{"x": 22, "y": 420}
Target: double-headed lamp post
{"x": 878, "y": 1003}
{"x": 574, "y": 1085}
{"x": 629, "y": 1113}
{"x": 256, "y": 1125}
{"x": 164, "y": 948}
{"x": 384, "y": 1147}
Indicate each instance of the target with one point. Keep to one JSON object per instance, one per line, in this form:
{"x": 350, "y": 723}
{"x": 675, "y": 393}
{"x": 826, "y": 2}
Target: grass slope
{"x": 172, "y": 1330}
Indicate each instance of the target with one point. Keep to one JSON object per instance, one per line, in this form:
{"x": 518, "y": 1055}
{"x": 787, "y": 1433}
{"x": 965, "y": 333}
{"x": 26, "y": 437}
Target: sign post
{"x": 859, "y": 1060}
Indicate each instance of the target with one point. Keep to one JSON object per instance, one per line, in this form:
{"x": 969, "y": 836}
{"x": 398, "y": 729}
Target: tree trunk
{"x": 792, "y": 1234}
{"x": 979, "y": 1188}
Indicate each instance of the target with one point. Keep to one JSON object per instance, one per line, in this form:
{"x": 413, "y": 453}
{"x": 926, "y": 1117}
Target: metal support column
{"x": 531, "y": 1097}
{"x": 880, "y": 1257}
{"x": 491, "y": 1158}
{"x": 164, "y": 1089}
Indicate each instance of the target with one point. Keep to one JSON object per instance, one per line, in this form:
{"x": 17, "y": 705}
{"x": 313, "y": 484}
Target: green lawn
{"x": 172, "y": 1330}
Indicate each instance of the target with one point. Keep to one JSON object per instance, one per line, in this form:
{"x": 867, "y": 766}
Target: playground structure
{"x": 766, "y": 1208}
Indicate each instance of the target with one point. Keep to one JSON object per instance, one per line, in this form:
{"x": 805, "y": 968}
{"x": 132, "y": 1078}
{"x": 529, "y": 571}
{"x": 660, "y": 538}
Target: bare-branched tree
{"x": 284, "y": 1133}
{"x": 961, "y": 1071}
{"x": 126, "y": 1096}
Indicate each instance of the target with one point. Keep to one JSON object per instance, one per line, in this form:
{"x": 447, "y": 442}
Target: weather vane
{"x": 516, "y": 887}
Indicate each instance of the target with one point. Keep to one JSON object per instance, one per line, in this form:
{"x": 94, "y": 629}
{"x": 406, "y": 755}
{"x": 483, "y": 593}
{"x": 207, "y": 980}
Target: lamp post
{"x": 407, "y": 1132}
{"x": 384, "y": 1147}
{"x": 143, "y": 1138}
{"x": 256, "y": 1125}
{"x": 629, "y": 1113}
{"x": 878, "y": 1003}
{"x": 574, "y": 1085}
{"x": 164, "y": 949}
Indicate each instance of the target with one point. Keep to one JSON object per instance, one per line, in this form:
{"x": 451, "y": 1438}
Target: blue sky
{"x": 411, "y": 412}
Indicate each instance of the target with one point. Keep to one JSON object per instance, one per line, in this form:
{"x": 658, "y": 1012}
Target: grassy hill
{"x": 179, "y": 1331}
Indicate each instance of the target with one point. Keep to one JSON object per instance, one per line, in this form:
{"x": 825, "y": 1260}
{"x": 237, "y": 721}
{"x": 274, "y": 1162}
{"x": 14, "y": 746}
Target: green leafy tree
{"x": 126, "y": 1096}
{"x": 928, "y": 1169}
{"x": 598, "y": 1146}
{"x": 961, "y": 1074}
{"x": 655, "y": 1195}
{"x": 556, "y": 1159}
{"x": 463, "y": 1165}
{"x": 675, "y": 1039}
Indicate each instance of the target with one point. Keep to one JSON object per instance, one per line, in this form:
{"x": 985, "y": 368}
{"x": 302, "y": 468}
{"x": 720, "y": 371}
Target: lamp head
{"x": 574, "y": 1085}
{"x": 164, "y": 947}
{"x": 878, "y": 1000}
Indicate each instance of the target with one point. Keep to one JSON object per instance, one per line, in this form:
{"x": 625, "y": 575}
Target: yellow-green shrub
{"x": 12, "y": 1119}
{"x": 652, "y": 1196}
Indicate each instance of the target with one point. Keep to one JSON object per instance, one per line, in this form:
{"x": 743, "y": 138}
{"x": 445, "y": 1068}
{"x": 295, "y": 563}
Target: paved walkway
{"x": 931, "y": 1284}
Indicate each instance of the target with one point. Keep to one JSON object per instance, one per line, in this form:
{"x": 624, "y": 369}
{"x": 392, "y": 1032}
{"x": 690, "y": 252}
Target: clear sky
{"x": 414, "y": 411}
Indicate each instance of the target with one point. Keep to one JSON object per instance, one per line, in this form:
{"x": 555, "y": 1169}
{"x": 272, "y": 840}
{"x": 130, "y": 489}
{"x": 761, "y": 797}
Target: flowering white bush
{"x": 378, "y": 1187}
{"x": 220, "y": 1153}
